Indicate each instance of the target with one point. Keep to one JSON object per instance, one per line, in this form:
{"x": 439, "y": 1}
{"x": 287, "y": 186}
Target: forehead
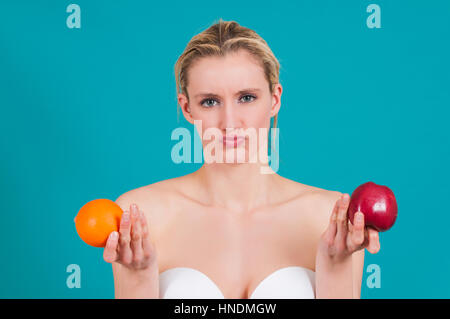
{"x": 233, "y": 72}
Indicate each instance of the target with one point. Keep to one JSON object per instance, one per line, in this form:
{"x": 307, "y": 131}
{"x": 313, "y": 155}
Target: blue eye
{"x": 249, "y": 95}
{"x": 202, "y": 103}
{"x": 209, "y": 105}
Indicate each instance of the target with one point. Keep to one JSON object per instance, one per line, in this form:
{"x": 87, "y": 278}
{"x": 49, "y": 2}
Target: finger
{"x": 374, "y": 242}
{"x": 124, "y": 239}
{"x": 349, "y": 226}
{"x": 356, "y": 238}
{"x": 146, "y": 240}
{"x": 136, "y": 234}
{"x": 365, "y": 243}
{"x": 110, "y": 252}
{"x": 342, "y": 220}
{"x": 332, "y": 226}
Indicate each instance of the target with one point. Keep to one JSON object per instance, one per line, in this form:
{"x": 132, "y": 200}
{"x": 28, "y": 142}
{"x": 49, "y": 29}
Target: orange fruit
{"x": 96, "y": 220}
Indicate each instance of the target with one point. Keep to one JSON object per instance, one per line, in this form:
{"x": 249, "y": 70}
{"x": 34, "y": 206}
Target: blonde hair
{"x": 218, "y": 40}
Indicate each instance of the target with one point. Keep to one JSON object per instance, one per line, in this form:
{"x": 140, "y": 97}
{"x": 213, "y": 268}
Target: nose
{"x": 229, "y": 118}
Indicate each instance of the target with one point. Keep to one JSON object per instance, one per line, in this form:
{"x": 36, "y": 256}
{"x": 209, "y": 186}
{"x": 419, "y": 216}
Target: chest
{"x": 237, "y": 251}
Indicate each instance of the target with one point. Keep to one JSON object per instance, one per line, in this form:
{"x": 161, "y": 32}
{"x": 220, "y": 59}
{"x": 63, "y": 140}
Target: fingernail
{"x": 134, "y": 206}
{"x": 114, "y": 235}
{"x": 345, "y": 198}
{"x": 126, "y": 216}
{"x": 359, "y": 217}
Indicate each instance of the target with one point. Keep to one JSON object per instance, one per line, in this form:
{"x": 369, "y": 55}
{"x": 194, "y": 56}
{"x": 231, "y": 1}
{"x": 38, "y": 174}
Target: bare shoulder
{"x": 323, "y": 201}
{"x": 153, "y": 193}
{"x": 317, "y": 202}
{"x": 155, "y": 200}
{"x": 326, "y": 199}
{"x": 318, "y": 196}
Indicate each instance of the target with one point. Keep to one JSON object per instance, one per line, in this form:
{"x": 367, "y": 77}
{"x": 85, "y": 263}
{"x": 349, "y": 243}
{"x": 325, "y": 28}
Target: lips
{"x": 233, "y": 140}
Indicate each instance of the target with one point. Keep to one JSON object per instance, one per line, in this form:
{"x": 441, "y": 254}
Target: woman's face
{"x": 230, "y": 96}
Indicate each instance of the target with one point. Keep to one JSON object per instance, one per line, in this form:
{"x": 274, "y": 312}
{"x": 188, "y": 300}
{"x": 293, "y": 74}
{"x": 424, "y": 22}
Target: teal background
{"x": 88, "y": 113}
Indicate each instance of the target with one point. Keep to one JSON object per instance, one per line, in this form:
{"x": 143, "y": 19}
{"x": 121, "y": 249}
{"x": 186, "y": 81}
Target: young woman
{"x": 228, "y": 230}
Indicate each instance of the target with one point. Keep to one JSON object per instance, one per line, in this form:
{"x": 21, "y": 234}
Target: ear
{"x": 276, "y": 99}
{"x": 185, "y": 108}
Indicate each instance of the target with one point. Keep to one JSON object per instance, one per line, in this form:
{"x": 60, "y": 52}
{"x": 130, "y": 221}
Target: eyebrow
{"x": 238, "y": 93}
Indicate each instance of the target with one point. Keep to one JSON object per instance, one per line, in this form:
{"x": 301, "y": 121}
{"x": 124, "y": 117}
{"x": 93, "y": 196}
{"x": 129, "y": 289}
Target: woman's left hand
{"x": 341, "y": 239}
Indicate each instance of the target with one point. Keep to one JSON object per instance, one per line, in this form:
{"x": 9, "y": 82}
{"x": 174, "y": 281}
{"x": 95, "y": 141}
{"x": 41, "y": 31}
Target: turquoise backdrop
{"x": 88, "y": 113}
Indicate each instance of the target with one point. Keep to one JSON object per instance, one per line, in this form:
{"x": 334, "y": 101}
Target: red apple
{"x": 377, "y": 203}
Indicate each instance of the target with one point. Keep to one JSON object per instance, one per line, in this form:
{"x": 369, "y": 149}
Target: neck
{"x": 238, "y": 187}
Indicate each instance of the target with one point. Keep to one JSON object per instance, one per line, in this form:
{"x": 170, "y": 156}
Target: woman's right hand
{"x": 131, "y": 246}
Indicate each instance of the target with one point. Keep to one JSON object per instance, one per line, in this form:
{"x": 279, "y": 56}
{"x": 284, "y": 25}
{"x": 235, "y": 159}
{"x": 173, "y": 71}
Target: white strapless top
{"x": 293, "y": 282}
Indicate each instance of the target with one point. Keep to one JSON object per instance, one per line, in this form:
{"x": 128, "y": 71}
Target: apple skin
{"x": 377, "y": 203}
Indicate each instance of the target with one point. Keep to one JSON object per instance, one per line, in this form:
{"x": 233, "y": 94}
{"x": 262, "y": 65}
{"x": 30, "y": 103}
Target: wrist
{"x": 141, "y": 273}
{"x": 333, "y": 262}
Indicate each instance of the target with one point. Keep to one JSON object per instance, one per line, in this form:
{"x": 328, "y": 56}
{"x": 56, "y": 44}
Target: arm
{"x": 358, "y": 269}
{"x": 135, "y": 285}
{"x": 340, "y": 254}
{"x": 133, "y": 257}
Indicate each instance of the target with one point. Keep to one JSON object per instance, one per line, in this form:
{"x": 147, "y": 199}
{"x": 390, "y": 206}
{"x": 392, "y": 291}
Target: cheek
{"x": 205, "y": 119}
{"x": 259, "y": 116}
{"x": 259, "y": 119}
{"x": 209, "y": 130}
